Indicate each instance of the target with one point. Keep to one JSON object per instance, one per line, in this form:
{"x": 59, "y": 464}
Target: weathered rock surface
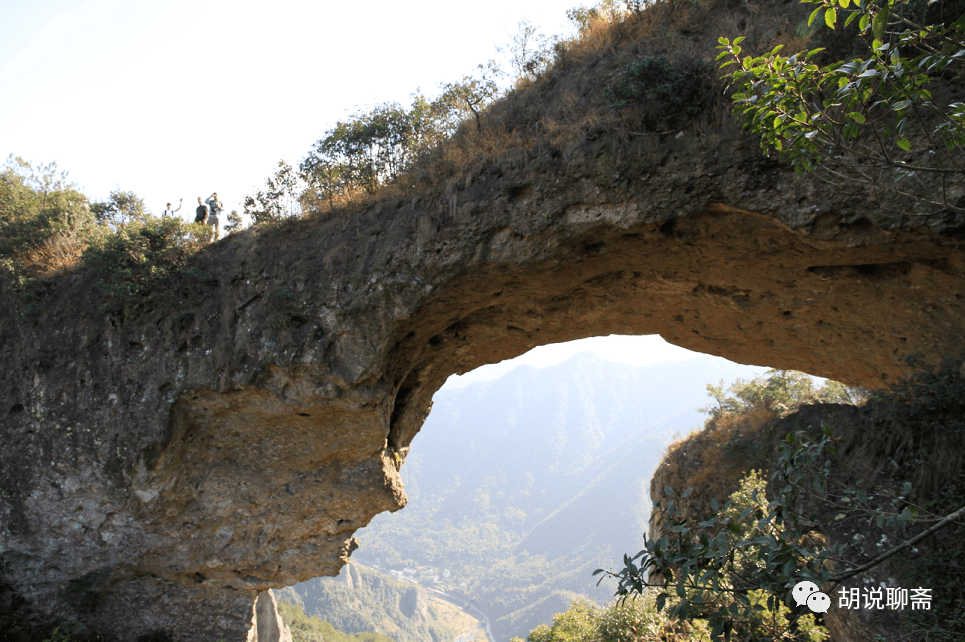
{"x": 161, "y": 471}
{"x": 268, "y": 625}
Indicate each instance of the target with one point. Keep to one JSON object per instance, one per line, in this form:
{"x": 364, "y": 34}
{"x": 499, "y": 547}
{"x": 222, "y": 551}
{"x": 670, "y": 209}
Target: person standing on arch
{"x": 201, "y": 212}
{"x": 170, "y": 212}
{"x": 216, "y": 208}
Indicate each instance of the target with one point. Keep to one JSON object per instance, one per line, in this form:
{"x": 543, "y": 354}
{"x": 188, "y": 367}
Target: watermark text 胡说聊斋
{"x": 878, "y": 598}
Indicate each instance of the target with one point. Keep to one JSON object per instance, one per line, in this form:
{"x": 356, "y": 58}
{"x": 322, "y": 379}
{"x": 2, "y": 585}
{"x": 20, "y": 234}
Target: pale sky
{"x": 182, "y": 98}
{"x": 634, "y": 350}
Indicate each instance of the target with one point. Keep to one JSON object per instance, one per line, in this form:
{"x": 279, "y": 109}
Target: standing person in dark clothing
{"x": 201, "y": 212}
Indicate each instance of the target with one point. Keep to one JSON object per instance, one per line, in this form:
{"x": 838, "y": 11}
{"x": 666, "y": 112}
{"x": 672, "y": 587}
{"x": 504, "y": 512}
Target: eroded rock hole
{"x": 522, "y": 466}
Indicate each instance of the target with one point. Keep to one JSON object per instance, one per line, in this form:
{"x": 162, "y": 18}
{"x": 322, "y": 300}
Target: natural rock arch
{"x": 178, "y": 462}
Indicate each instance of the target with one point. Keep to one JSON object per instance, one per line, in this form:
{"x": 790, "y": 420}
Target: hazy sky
{"x": 637, "y": 351}
{"x": 185, "y": 97}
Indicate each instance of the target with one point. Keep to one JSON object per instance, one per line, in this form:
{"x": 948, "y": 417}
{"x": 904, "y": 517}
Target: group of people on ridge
{"x": 207, "y": 212}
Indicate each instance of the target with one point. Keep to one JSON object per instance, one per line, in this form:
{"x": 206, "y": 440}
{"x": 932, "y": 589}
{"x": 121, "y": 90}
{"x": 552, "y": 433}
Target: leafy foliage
{"x": 873, "y": 119}
{"x": 122, "y": 207}
{"x": 932, "y": 399}
{"x": 45, "y": 221}
{"x": 305, "y": 628}
{"x": 780, "y": 392}
{"x": 631, "y": 620}
{"x": 660, "y": 88}
{"x": 371, "y": 602}
{"x": 138, "y": 257}
{"x": 46, "y": 226}
{"x": 235, "y": 222}
{"x": 733, "y": 565}
{"x": 279, "y": 199}
{"x": 369, "y": 149}
{"x": 733, "y": 569}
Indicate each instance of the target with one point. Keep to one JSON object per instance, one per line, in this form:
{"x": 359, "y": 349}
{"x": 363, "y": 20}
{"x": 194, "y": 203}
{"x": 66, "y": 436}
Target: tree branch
{"x": 914, "y": 540}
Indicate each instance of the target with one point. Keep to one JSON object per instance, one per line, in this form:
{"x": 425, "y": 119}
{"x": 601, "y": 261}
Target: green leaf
{"x": 881, "y": 21}
{"x": 904, "y": 143}
{"x": 857, "y": 117}
{"x": 813, "y": 16}
{"x": 830, "y": 17}
{"x": 901, "y": 104}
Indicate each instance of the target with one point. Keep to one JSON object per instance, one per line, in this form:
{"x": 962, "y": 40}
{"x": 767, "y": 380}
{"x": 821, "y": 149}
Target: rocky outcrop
{"x": 268, "y": 625}
{"x": 160, "y": 470}
{"x": 892, "y": 453}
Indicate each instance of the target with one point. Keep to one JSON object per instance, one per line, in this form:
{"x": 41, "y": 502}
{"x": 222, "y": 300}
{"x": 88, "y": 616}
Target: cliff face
{"x": 158, "y": 471}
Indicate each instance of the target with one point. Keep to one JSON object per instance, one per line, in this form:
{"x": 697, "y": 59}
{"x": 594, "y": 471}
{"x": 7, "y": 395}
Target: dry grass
{"x": 558, "y": 113}
{"x": 713, "y": 460}
{"x": 57, "y": 256}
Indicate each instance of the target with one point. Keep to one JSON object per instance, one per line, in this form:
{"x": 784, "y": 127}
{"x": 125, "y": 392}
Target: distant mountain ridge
{"x": 521, "y": 486}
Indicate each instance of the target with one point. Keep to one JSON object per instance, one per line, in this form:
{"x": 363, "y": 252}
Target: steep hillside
{"x": 895, "y": 471}
{"x": 362, "y": 600}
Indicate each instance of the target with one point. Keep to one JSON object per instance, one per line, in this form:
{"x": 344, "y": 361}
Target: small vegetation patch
{"x": 140, "y": 256}
{"x": 660, "y": 89}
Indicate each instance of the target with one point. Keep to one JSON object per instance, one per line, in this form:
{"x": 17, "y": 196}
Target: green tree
{"x": 530, "y": 52}
{"x": 634, "y": 619}
{"x": 45, "y": 222}
{"x": 365, "y": 151}
{"x": 607, "y": 11}
{"x": 880, "y": 119}
{"x": 577, "y": 624}
{"x": 779, "y": 391}
{"x": 305, "y": 628}
{"x": 235, "y": 222}
{"x": 473, "y": 94}
{"x": 122, "y": 207}
{"x": 281, "y": 198}
{"x": 370, "y": 149}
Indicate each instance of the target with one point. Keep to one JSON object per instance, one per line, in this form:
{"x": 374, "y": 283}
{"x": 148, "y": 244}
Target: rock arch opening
{"x": 526, "y": 478}
{"x": 726, "y": 282}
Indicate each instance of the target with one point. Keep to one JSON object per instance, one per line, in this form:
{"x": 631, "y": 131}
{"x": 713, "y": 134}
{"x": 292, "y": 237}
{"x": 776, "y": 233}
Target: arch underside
{"x": 726, "y": 282}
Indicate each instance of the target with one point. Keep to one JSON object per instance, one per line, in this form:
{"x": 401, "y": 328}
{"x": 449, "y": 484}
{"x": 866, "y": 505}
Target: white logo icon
{"x": 819, "y": 602}
{"x": 802, "y": 591}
